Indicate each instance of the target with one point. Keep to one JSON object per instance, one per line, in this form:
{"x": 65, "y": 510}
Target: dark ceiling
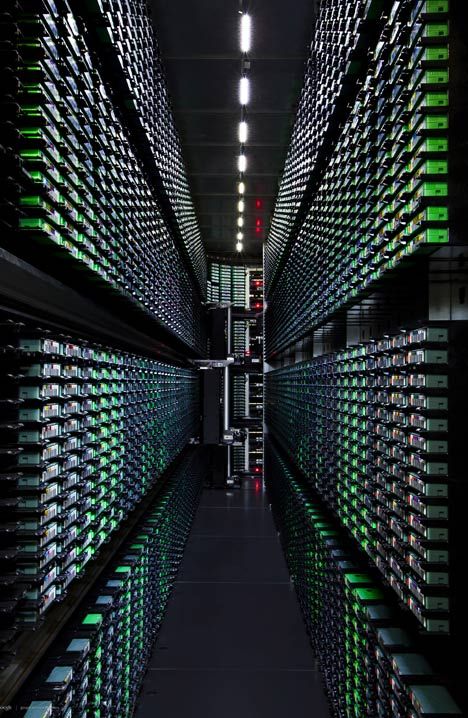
{"x": 200, "y": 48}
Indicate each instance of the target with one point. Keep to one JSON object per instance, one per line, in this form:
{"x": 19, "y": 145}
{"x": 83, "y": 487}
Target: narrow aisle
{"x": 233, "y": 642}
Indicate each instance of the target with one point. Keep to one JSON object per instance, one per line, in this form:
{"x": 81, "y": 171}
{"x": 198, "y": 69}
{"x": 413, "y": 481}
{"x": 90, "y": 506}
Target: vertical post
{"x": 247, "y": 395}
{"x": 229, "y": 329}
{"x": 247, "y": 452}
{"x": 226, "y": 387}
{"x": 226, "y": 372}
{"x": 226, "y": 399}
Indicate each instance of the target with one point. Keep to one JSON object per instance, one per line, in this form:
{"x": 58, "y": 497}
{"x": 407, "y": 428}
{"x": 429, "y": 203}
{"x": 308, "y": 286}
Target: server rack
{"x": 254, "y": 380}
{"x": 243, "y": 287}
{"x": 101, "y": 312}
{"x": 97, "y": 665}
{"x": 226, "y": 283}
{"x": 365, "y": 329}
{"x": 370, "y": 663}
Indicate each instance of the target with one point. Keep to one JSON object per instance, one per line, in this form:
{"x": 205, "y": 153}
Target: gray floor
{"x": 233, "y": 643}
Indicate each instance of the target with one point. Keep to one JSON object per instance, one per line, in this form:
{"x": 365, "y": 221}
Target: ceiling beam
{"x": 233, "y": 213}
{"x": 221, "y": 57}
{"x": 232, "y": 111}
{"x": 232, "y": 174}
{"x": 276, "y": 145}
{"x": 262, "y": 195}
{"x": 231, "y": 231}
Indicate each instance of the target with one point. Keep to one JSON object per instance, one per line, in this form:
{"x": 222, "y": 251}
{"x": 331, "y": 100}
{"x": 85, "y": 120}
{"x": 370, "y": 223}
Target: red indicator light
{"x": 258, "y": 222}
{"x": 258, "y": 203}
{"x": 257, "y": 485}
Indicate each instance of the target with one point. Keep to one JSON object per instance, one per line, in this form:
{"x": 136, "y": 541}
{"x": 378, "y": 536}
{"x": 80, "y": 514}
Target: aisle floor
{"x": 233, "y": 642}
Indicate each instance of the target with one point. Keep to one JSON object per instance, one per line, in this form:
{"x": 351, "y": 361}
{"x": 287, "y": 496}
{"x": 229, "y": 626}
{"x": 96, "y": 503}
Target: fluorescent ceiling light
{"x": 241, "y": 187}
{"x": 240, "y": 236}
{"x": 242, "y": 163}
{"x": 240, "y": 206}
{"x": 245, "y": 33}
{"x": 243, "y": 132}
{"x": 239, "y": 246}
{"x": 244, "y": 91}
{"x": 240, "y": 221}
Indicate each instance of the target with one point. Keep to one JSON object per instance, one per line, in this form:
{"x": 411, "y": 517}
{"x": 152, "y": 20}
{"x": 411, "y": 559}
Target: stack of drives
{"x": 380, "y": 198}
{"x": 369, "y": 426}
{"x": 370, "y": 665}
{"x": 70, "y": 139}
{"x": 226, "y": 283}
{"x": 87, "y": 431}
{"x": 103, "y": 281}
{"x": 331, "y": 69}
{"x": 366, "y": 328}
{"x": 97, "y": 665}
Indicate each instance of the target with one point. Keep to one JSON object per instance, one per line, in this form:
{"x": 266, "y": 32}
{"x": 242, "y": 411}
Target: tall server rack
{"x": 254, "y": 379}
{"x": 103, "y": 279}
{"x": 242, "y": 287}
{"x": 366, "y": 335}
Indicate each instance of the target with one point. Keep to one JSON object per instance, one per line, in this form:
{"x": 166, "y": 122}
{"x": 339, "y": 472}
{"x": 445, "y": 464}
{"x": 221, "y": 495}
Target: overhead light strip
{"x": 245, "y": 43}
{"x": 245, "y": 33}
{"x": 243, "y": 132}
{"x": 244, "y": 91}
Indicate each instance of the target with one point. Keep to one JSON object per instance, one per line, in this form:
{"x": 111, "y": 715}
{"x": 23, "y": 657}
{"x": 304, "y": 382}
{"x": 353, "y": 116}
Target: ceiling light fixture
{"x": 244, "y": 91}
{"x": 239, "y": 246}
{"x": 242, "y": 163}
{"x": 243, "y": 132}
{"x": 240, "y": 221}
{"x": 241, "y": 187}
{"x": 245, "y": 33}
{"x": 240, "y": 236}
{"x": 241, "y": 206}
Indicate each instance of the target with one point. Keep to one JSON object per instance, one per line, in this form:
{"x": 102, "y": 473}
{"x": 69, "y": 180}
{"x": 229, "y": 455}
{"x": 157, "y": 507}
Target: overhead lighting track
{"x": 245, "y": 33}
{"x": 245, "y": 46}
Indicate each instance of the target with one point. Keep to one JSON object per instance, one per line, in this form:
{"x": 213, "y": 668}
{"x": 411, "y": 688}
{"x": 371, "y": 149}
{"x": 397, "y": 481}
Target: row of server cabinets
{"x": 102, "y": 288}
{"x": 366, "y": 330}
{"x": 102, "y": 294}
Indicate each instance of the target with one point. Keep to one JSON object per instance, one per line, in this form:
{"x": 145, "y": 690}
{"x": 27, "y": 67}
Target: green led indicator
{"x": 92, "y": 619}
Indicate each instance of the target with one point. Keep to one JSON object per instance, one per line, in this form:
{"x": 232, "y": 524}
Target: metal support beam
{"x": 233, "y": 174}
{"x": 229, "y": 145}
{"x": 229, "y": 330}
{"x": 226, "y": 385}
{"x": 233, "y": 194}
{"x": 231, "y": 111}
{"x": 221, "y": 57}
{"x": 29, "y": 291}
